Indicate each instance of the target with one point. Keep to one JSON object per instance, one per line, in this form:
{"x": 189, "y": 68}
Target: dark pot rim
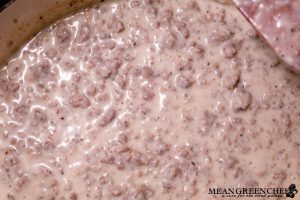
{"x": 5, "y": 3}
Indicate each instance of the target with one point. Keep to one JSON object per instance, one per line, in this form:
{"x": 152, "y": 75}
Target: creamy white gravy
{"x": 149, "y": 99}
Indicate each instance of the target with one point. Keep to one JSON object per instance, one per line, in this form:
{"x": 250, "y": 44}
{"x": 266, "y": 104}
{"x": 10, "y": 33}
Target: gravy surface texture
{"x": 147, "y": 100}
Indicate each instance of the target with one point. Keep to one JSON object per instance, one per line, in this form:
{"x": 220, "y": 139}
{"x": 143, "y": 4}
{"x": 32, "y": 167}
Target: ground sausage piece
{"x": 118, "y": 26}
{"x": 84, "y": 32}
{"x": 161, "y": 147}
{"x": 40, "y": 116}
{"x": 63, "y": 34}
{"x": 206, "y": 121}
{"x": 230, "y": 49}
{"x": 78, "y": 101}
{"x": 121, "y": 81}
{"x": 170, "y": 41}
{"x": 107, "y": 117}
{"x": 281, "y": 175}
{"x": 106, "y": 157}
{"x": 224, "y": 1}
{"x": 183, "y": 81}
{"x": 10, "y": 196}
{"x": 122, "y": 138}
{"x": 148, "y": 2}
{"x": 104, "y": 72}
{"x": 91, "y": 90}
{"x": 286, "y": 119}
{"x": 21, "y": 110}
{"x": 198, "y": 50}
{"x": 108, "y": 44}
{"x": 230, "y": 162}
{"x": 172, "y": 171}
{"x": 41, "y": 70}
{"x": 183, "y": 30}
{"x": 207, "y": 118}
{"x": 147, "y": 72}
{"x": 138, "y": 159}
{"x": 219, "y": 35}
{"x": 8, "y": 86}
{"x": 147, "y": 93}
{"x": 21, "y": 181}
{"x": 230, "y": 78}
{"x": 134, "y": 4}
{"x": 193, "y": 5}
{"x": 73, "y": 196}
{"x": 11, "y": 156}
{"x": 241, "y": 100}
{"x": 165, "y": 17}
{"x": 152, "y": 12}
{"x": 123, "y": 122}
{"x": 166, "y": 14}
{"x": 250, "y": 183}
{"x": 183, "y": 65}
{"x": 116, "y": 191}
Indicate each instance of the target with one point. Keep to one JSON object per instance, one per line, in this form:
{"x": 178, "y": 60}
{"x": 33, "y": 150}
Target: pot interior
{"x": 20, "y": 20}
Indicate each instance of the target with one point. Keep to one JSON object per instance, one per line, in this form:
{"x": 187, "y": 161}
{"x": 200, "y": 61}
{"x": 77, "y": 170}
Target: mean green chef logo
{"x": 290, "y": 192}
